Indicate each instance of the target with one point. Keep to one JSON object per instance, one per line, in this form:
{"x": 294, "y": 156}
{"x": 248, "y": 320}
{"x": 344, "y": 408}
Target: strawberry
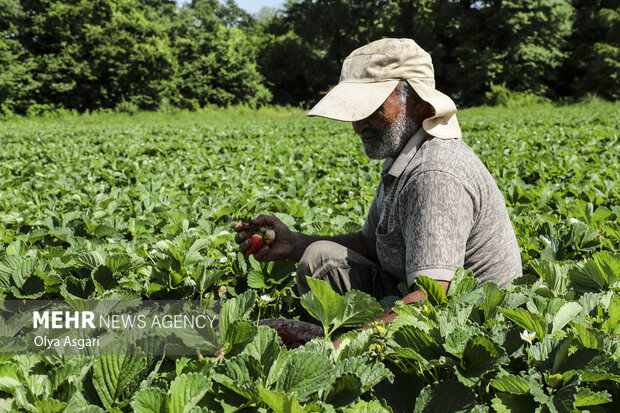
{"x": 269, "y": 235}
{"x": 259, "y": 236}
{"x": 257, "y": 243}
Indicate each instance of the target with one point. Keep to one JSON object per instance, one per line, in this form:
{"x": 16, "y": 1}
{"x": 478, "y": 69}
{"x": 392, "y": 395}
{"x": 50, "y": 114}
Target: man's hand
{"x": 284, "y": 246}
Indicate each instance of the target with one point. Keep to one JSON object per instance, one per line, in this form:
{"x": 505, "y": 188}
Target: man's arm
{"x": 291, "y": 245}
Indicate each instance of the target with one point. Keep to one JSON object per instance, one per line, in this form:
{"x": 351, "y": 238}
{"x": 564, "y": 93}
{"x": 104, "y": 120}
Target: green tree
{"x": 474, "y": 45}
{"x": 17, "y": 85}
{"x": 293, "y": 69}
{"x": 593, "y": 64}
{"x": 217, "y": 64}
{"x": 306, "y": 45}
{"x": 96, "y": 53}
{"x": 516, "y": 43}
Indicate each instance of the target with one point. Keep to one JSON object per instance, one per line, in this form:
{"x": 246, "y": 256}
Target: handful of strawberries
{"x": 259, "y": 236}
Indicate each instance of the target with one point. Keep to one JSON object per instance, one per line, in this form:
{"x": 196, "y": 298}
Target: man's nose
{"x": 360, "y": 125}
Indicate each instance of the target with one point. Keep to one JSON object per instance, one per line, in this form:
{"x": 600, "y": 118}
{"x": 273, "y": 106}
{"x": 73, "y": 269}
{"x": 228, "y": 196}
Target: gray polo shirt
{"x": 438, "y": 208}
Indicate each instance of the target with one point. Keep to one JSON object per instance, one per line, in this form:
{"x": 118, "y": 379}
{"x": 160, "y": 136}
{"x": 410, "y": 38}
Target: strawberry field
{"x": 119, "y": 207}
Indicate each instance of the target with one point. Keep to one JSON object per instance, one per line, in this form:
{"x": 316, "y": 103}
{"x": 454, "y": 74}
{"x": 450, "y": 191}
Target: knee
{"x": 314, "y": 258}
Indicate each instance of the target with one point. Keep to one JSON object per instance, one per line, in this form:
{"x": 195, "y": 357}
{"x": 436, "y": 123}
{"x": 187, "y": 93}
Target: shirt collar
{"x": 406, "y": 155}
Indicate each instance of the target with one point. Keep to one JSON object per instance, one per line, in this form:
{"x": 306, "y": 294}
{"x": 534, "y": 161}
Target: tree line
{"x": 152, "y": 54}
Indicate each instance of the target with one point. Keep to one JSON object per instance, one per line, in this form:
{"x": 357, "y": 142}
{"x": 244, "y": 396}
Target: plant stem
{"x": 258, "y": 318}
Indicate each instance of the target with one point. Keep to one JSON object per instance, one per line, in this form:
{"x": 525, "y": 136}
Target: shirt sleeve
{"x": 436, "y": 212}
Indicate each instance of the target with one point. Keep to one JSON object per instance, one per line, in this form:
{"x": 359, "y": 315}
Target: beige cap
{"x": 372, "y": 72}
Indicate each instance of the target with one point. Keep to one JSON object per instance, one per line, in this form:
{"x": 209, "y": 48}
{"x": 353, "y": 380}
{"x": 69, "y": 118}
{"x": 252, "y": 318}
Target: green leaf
{"x": 511, "y": 384}
{"x": 434, "y": 398}
{"x": 480, "y": 356}
{"x": 237, "y": 308}
{"x": 563, "y": 401}
{"x": 344, "y": 390}
{"x": 264, "y": 347}
{"x": 103, "y": 279}
{"x": 241, "y": 374}
{"x": 357, "y": 346}
{"x": 9, "y": 379}
{"x": 280, "y": 402}
{"x": 401, "y": 392}
{"x": 90, "y": 409}
{"x": 493, "y": 297}
{"x": 590, "y": 376}
{"x": 256, "y": 280}
{"x": 103, "y": 231}
{"x": 596, "y": 274}
{"x": 455, "y": 341}
{"x": 197, "y": 246}
{"x": 240, "y": 332}
{"x": 122, "y": 262}
{"x": 38, "y": 384}
{"x": 433, "y": 291}
{"x": 114, "y": 374}
{"x": 509, "y": 403}
{"x": 589, "y": 338}
{"x": 368, "y": 373}
{"x": 612, "y": 324}
{"x": 32, "y": 288}
{"x": 367, "y": 407}
{"x": 331, "y": 309}
{"x": 302, "y": 373}
{"x": 359, "y": 309}
{"x": 463, "y": 282}
{"x": 322, "y": 302}
{"x": 554, "y": 275}
{"x": 565, "y": 314}
{"x": 91, "y": 259}
{"x": 528, "y": 321}
{"x": 186, "y": 391}
{"x": 591, "y": 359}
{"x": 286, "y": 219}
{"x": 586, "y": 397}
{"x": 151, "y": 400}
{"x": 414, "y": 343}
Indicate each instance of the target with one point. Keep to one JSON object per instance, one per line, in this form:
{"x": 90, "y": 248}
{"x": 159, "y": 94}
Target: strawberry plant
{"x": 108, "y": 207}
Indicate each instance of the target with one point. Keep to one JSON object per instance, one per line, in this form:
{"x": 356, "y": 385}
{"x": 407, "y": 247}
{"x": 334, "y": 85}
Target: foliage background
{"x": 153, "y": 54}
{"x": 108, "y": 206}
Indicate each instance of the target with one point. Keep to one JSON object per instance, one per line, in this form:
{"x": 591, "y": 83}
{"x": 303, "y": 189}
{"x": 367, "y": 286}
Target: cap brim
{"x": 350, "y": 102}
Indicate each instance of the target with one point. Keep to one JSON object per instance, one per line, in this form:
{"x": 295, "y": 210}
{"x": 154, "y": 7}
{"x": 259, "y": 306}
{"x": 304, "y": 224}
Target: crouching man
{"x": 436, "y": 208}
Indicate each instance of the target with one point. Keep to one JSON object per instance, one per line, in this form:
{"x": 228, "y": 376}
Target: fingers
{"x": 241, "y": 226}
{"x": 245, "y": 231}
{"x": 242, "y": 236}
{"x": 269, "y": 220}
{"x": 263, "y": 220}
{"x": 262, "y": 255}
{"x": 245, "y": 245}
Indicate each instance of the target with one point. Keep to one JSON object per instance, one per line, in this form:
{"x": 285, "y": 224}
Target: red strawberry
{"x": 257, "y": 243}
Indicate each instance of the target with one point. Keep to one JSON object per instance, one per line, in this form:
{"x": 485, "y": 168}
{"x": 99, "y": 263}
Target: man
{"x": 437, "y": 207}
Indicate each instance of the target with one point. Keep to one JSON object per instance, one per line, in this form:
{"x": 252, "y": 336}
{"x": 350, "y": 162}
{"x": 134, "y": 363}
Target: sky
{"x": 251, "y": 6}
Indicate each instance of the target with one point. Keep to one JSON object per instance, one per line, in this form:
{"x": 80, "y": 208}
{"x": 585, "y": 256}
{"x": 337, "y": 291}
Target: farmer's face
{"x": 385, "y": 132}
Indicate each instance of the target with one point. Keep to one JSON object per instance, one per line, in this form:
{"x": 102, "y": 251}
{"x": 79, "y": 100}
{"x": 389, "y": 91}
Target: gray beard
{"x": 391, "y": 140}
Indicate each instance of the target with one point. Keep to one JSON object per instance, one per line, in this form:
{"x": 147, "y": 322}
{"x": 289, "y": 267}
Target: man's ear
{"x": 420, "y": 109}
